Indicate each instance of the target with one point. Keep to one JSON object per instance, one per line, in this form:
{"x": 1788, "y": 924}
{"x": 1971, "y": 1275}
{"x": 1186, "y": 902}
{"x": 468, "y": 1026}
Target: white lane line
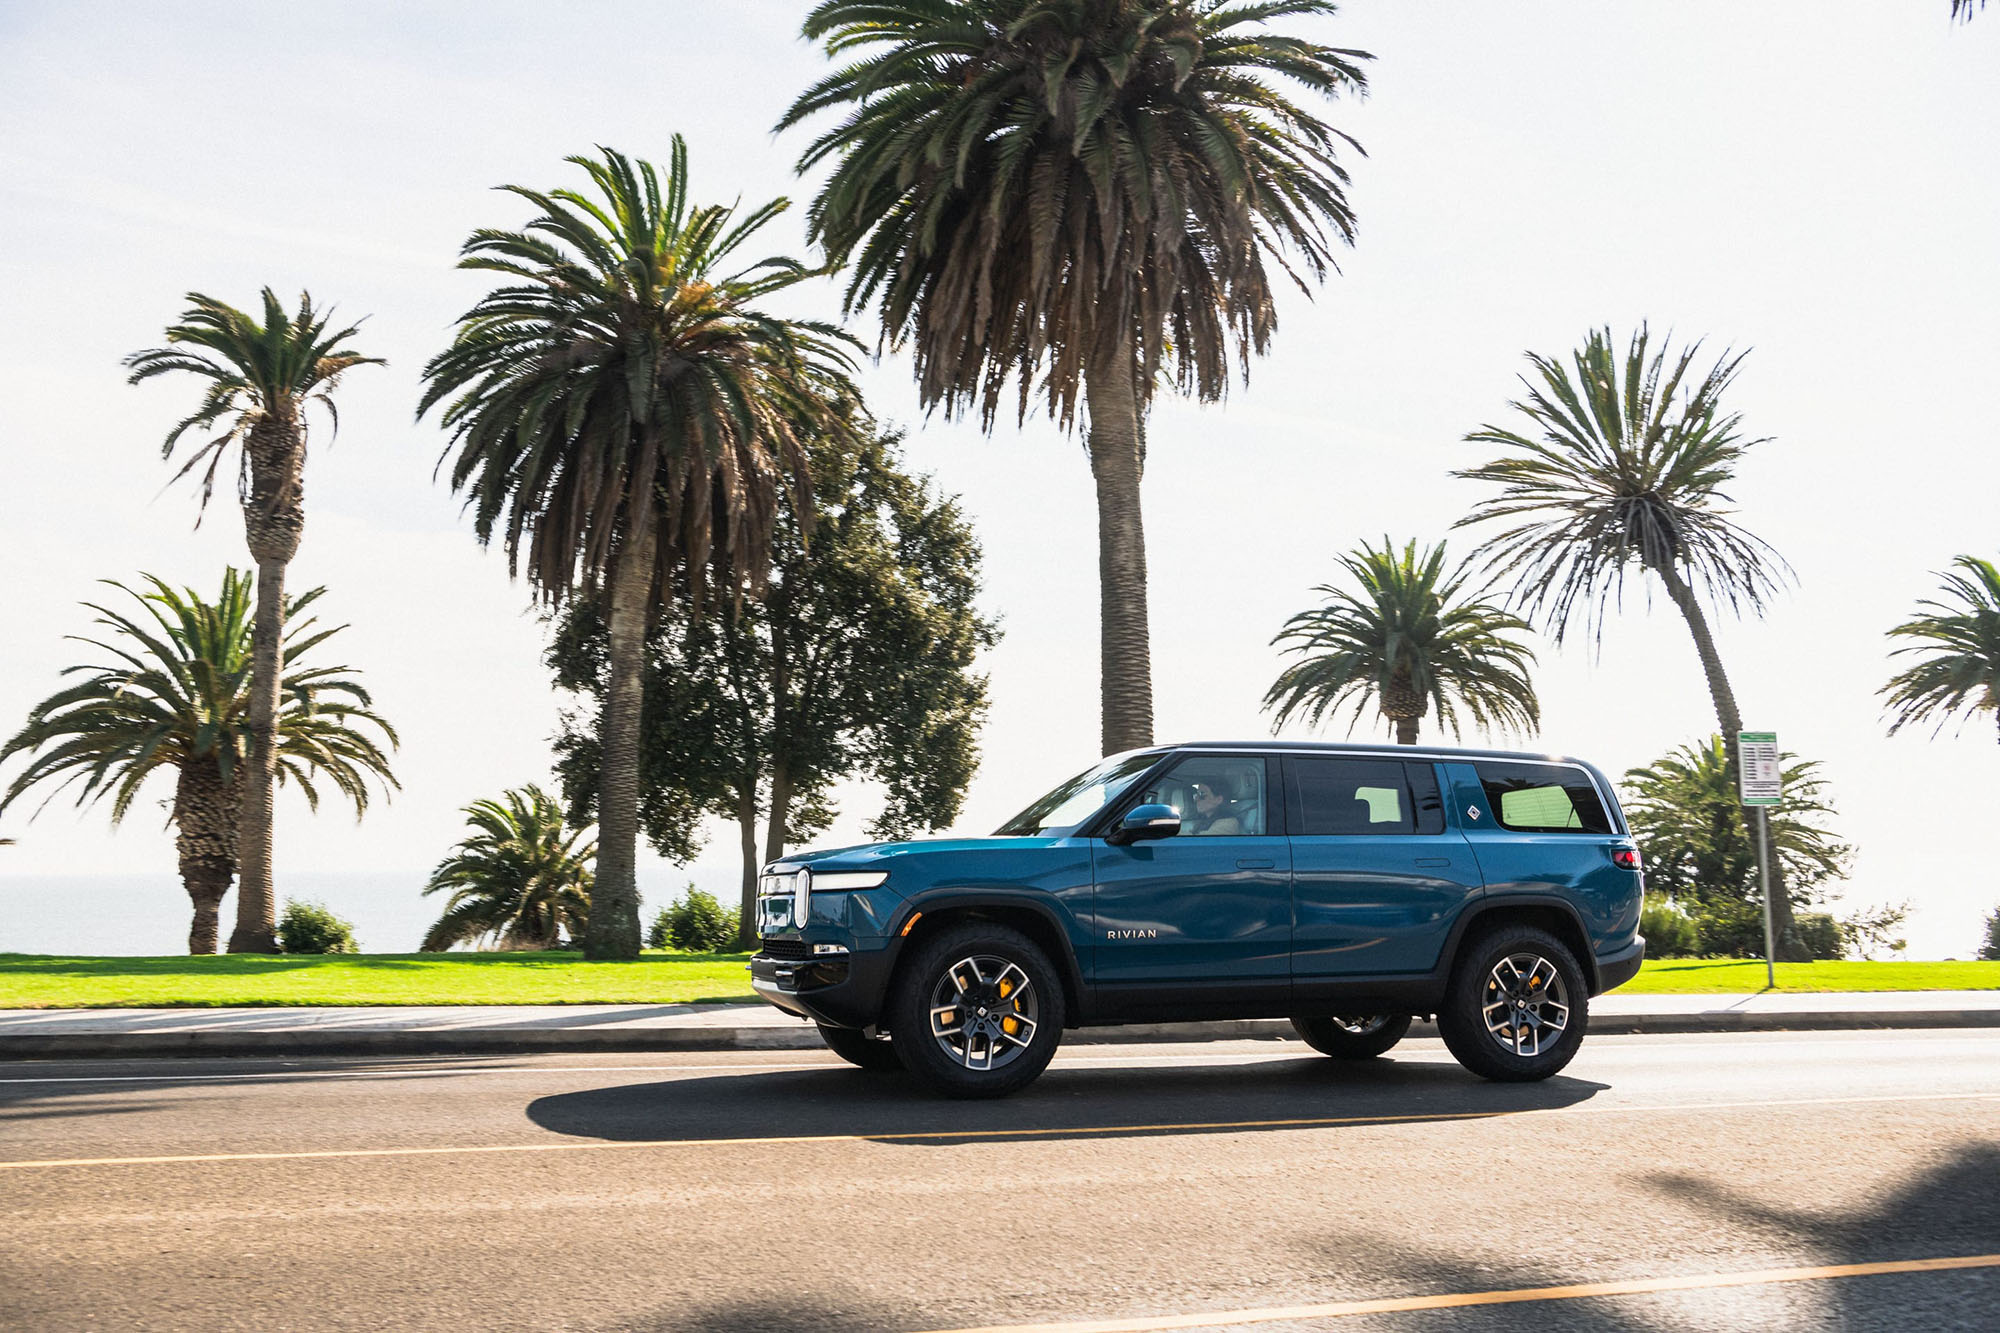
{"x": 1518, "y": 1295}
{"x": 891, "y": 1136}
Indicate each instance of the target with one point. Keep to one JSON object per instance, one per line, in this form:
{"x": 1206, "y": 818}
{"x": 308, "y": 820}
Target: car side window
{"x": 1216, "y": 795}
{"x": 1542, "y": 798}
{"x": 1360, "y": 797}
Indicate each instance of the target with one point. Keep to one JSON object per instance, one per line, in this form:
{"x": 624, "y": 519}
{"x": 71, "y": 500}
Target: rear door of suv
{"x": 1546, "y": 831}
{"x": 1378, "y": 876}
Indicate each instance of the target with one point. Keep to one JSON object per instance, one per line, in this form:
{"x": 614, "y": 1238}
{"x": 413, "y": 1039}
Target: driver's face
{"x": 1206, "y": 797}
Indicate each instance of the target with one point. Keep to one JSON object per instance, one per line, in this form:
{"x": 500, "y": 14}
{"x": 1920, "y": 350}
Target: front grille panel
{"x": 791, "y": 951}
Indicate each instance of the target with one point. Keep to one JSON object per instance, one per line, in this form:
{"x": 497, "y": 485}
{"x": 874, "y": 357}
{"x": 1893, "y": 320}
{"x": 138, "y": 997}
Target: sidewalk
{"x": 512, "y": 1029}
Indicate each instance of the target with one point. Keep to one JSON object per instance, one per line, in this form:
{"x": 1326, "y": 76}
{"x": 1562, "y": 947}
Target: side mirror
{"x": 1145, "y": 821}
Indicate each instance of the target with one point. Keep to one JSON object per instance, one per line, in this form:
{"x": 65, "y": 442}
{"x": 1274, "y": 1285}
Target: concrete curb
{"x": 525, "y": 1041}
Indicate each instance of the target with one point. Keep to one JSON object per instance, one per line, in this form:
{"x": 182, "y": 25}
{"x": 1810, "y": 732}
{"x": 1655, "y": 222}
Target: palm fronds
{"x": 173, "y": 689}
{"x": 521, "y": 878}
{"x": 257, "y": 373}
{"x": 1024, "y": 187}
{"x": 1408, "y": 637}
{"x": 621, "y": 363}
{"x": 1956, "y": 644}
{"x": 1621, "y": 466}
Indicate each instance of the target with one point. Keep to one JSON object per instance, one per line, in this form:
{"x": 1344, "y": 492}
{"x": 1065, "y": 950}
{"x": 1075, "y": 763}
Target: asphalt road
{"x": 782, "y": 1191}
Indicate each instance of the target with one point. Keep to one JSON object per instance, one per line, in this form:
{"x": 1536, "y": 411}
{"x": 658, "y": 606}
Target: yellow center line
{"x": 1024, "y": 1132}
{"x": 1459, "y": 1300}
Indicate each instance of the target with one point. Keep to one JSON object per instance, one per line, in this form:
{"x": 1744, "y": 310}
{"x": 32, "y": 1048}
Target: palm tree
{"x": 1412, "y": 639}
{"x": 1622, "y": 470}
{"x": 1683, "y": 810}
{"x": 625, "y": 418}
{"x": 1957, "y": 647}
{"x": 262, "y": 378}
{"x": 177, "y": 698}
{"x": 520, "y": 880}
{"x": 1081, "y": 193}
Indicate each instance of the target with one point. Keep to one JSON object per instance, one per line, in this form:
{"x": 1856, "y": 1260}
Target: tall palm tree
{"x": 262, "y": 379}
{"x": 1412, "y": 639}
{"x": 520, "y": 880}
{"x": 1957, "y": 649}
{"x": 1620, "y": 467}
{"x": 624, "y": 417}
{"x": 1080, "y": 193}
{"x": 177, "y": 697}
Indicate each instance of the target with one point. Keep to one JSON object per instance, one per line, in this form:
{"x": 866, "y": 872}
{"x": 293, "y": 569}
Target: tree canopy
{"x": 857, "y": 663}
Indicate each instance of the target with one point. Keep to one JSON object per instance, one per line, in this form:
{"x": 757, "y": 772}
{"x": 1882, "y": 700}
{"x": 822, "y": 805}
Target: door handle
{"x": 1256, "y": 865}
{"x": 1434, "y": 860}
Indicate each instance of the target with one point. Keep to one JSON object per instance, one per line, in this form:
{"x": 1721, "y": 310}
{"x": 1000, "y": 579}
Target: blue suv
{"x": 1344, "y": 887}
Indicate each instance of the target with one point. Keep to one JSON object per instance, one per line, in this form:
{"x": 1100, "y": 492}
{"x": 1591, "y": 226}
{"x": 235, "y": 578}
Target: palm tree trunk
{"x": 613, "y": 930}
{"x": 273, "y": 520}
{"x": 1125, "y": 652}
{"x": 1731, "y": 721}
{"x": 746, "y": 821}
{"x": 1406, "y": 730}
{"x": 205, "y": 832}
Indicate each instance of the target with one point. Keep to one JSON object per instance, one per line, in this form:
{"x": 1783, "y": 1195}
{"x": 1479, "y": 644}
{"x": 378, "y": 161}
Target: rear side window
{"x": 1358, "y": 797}
{"x": 1543, "y": 798}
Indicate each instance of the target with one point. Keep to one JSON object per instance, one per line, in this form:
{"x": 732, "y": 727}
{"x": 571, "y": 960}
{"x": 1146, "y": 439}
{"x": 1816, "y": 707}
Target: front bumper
{"x": 1618, "y": 968}
{"x": 840, "y": 990}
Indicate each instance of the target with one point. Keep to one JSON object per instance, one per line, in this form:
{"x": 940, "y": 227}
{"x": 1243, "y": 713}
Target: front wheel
{"x": 1355, "y": 1038}
{"x": 1517, "y": 1005}
{"x": 977, "y": 1010}
{"x": 860, "y": 1049}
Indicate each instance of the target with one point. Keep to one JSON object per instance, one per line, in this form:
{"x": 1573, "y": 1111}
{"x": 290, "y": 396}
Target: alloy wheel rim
{"x": 984, "y": 1012}
{"x": 1363, "y": 1026}
{"x": 1525, "y": 1004}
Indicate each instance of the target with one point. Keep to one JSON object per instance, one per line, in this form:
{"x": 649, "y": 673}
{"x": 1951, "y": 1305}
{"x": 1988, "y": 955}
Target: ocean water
{"x": 149, "y": 914}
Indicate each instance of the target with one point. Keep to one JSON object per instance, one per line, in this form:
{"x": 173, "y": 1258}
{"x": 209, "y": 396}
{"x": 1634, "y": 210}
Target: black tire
{"x": 861, "y": 1050}
{"x": 1490, "y": 1051}
{"x": 1031, "y": 1015}
{"x": 1352, "y": 1038}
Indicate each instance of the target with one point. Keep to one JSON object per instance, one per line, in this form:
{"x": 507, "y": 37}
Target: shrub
{"x": 1877, "y": 929}
{"x": 310, "y": 928}
{"x": 1669, "y": 931}
{"x": 1820, "y": 934}
{"x": 1990, "y": 951}
{"x": 696, "y": 923}
{"x": 1730, "y": 929}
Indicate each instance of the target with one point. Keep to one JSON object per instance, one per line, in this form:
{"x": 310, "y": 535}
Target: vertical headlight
{"x": 802, "y": 888}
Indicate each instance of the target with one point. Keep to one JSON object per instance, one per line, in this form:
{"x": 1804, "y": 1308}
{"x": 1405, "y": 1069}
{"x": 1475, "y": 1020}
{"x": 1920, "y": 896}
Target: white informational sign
{"x": 1759, "y": 775}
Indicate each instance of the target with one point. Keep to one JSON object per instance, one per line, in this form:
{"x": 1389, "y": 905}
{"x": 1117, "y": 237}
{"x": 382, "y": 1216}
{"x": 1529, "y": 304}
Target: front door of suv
{"x": 1377, "y": 877}
{"x": 1203, "y": 919}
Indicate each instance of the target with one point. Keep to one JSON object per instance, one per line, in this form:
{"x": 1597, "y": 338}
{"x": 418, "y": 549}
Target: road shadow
{"x": 1951, "y": 1209}
{"x": 1192, "y": 1099}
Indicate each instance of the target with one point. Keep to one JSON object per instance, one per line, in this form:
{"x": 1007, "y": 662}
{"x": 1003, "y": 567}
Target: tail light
{"x": 1626, "y": 858}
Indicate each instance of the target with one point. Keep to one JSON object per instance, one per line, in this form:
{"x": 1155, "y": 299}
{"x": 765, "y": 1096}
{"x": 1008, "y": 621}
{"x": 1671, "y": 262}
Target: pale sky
{"x": 1812, "y": 180}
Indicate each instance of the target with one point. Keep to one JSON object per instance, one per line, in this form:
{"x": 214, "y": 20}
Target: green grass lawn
{"x": 30, "y": 981}
{"x": 1694, "y": 976}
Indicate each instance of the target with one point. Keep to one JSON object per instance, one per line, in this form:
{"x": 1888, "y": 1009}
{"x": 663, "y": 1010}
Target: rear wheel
{"x": 1517, "y": 1005}
{"x": 1352, "y": 1038}
{"x": 858, "y": 1048}
{"x": 977, "y": 1011}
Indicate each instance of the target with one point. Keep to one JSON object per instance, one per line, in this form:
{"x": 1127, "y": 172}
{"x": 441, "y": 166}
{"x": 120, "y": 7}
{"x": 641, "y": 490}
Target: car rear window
{"x": 1543, "y": 798}
{"x": 1358, "y": 797}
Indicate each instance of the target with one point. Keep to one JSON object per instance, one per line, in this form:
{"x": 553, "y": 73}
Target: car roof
{"x": 1350, "y": 747}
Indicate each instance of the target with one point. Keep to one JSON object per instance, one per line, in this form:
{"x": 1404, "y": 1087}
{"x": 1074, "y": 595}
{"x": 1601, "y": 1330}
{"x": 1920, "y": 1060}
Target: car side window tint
{"x": 1542, "y": 798}
{"x": 1355, "y": 797}
{"x": 1216, "y": 795}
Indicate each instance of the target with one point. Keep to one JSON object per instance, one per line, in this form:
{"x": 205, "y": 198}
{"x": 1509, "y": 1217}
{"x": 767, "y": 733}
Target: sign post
{"x": 1760, "y": 784}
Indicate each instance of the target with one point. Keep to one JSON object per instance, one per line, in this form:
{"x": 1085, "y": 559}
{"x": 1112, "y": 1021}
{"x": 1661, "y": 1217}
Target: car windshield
{"x": 1071, "y": 804}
